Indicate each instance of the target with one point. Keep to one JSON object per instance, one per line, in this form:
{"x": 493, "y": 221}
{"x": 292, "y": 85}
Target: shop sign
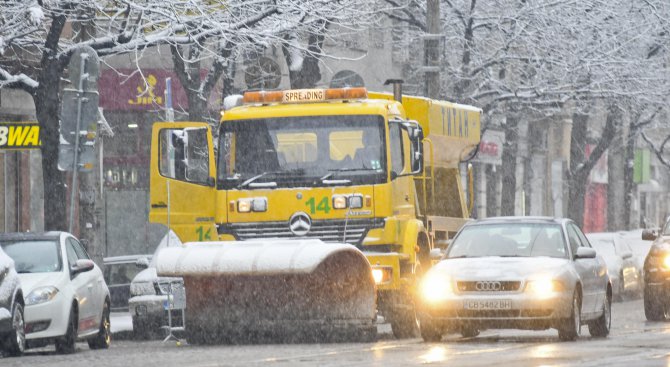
{"x": 491, "y": 147}
{"x": 19, "y": 135}
{"x": 127, "y": 89}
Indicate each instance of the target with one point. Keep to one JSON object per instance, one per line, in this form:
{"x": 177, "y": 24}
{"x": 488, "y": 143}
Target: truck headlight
{"x": 355, "y": 201}
{"x": 252, "y": 205}
{"x": 41, "y": 295}
{"x": 544, "y": 287}
{"x": 339, "y": 201}
{"x": 382, "y": 274}
{"x": 435, "y": 288}
{"x": 243, "y": 206}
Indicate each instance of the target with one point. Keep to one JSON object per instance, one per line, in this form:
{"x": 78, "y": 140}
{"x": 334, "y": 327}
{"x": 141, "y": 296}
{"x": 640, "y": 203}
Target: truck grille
{"x": 331, "y": 230}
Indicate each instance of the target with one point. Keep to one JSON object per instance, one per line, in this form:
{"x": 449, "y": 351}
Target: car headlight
{"x": 544, "y": 287}
{"x": 666, "y": 261}
{"x": 339, "y": 202}
{"x": 435, "y": 288}
{"x": 142, "y": 289}
{"x": 41, "y": 295}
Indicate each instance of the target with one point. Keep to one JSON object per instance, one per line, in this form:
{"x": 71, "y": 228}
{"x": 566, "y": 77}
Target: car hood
{"x": 500, "y": 268}
{"x": 31, "y": 281}
{"x": 149, "y": 275}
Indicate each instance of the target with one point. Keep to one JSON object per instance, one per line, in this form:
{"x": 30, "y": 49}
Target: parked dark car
{"x": 12, "y": 324}
{"x": 657, "y": 274}
{"x": 119, "y": 271}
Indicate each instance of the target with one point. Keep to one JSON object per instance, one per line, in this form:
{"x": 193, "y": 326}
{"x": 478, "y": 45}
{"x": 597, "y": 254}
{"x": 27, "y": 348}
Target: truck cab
{"x": 329, "y": 164}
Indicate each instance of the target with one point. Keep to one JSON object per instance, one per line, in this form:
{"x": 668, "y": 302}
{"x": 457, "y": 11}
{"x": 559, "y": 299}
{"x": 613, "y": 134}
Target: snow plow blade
{"x": 285, "y": 290}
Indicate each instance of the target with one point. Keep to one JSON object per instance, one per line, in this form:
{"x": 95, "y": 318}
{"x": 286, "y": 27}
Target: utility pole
{"x": 431, "y": 49}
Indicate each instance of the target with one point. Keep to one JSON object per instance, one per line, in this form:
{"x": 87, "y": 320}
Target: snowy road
{"x": 633, "y": 341}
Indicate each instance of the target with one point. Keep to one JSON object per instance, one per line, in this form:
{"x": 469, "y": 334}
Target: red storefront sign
{"x": 127, "y": 89}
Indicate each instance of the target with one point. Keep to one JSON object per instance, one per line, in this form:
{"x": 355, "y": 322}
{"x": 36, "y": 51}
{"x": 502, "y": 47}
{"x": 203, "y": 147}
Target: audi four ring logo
{"x": 488, "y": 286}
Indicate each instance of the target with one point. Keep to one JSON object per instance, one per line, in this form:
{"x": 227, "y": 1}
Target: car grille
{"x": 325, "y": 230}
{"x": 504, "y": 314}
{"x": 505, "y": 286}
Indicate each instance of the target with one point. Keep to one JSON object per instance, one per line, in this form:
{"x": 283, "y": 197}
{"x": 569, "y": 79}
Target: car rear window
{"x": 33, "y": 256}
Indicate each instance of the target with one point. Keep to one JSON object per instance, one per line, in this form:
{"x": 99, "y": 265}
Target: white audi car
{"x": 66, "y": 298}
{"x": 530, "y": 273}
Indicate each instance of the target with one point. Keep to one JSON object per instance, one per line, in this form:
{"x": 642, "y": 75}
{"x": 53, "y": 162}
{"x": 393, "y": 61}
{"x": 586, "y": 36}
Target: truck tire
{"x": 404, "y": 324}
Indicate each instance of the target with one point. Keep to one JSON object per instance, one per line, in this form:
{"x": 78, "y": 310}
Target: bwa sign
{"x": 19, "y": 135}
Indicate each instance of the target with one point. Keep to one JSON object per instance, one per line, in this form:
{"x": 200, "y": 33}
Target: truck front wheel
{"x": 404, "y": 324}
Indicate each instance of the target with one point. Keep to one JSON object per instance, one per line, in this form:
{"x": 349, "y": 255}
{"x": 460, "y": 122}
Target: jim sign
{"x": 19, "y": 135}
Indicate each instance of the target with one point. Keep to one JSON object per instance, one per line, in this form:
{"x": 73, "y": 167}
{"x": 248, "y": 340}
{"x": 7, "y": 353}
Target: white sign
{"x": 304, "y": 95}
{"x": 491, "y": 147}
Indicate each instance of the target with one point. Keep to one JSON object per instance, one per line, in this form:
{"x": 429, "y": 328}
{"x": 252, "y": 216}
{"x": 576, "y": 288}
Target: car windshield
{"x": 603, "y": 246}
{"x": 509, "y": 240}
{"x": 301, "y": 151}
{"x": 33, "y": 256}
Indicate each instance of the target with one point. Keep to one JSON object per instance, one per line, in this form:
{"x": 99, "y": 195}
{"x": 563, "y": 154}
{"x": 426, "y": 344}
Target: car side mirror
{"x": 585, "y": 253}
{"x": 649, "y": 234}
{"x": 142, "y": 263}
{"x": 82, "y": 266}
{"x": 436, "y": 254}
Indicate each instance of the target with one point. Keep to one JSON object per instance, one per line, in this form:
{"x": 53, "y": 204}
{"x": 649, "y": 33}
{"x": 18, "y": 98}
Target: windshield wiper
{"x": 351, "y": 169}
{"x": 254, "y": 178}
{"x": 250, "y": 181}
{"x": 325, "y": 180}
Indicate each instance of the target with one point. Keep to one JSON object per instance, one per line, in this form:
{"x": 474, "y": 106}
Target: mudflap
{"x": 282, "y": 291}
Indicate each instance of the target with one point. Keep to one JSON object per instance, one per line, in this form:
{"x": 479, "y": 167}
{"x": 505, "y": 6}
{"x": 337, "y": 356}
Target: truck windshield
{"x": 303, "y": 151}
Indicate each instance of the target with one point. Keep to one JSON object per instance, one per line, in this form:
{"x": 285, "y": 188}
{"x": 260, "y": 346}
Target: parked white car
{"x": 622, "y": 264}
{"x": 520, "y": 273}
{"x": 66, "y": 298}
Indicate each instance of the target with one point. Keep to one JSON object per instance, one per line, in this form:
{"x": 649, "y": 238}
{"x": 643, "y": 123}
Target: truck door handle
{"x": 158, "y": 205}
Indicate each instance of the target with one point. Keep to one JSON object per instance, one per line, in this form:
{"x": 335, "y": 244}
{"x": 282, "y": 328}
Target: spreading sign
{"x": 19, "y": 135}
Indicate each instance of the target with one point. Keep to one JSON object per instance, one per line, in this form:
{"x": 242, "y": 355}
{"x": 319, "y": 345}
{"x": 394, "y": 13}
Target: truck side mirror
{"x": 416, "y": 137}
{"x": 649, "y": 234}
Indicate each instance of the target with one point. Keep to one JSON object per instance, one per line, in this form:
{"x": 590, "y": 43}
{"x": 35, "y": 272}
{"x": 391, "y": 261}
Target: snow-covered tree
{"x": 38, "y": 38}
{"x": 519, "y": 57}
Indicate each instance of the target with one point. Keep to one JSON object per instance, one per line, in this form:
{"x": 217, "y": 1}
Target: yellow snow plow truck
{"x": 313, "y": 211}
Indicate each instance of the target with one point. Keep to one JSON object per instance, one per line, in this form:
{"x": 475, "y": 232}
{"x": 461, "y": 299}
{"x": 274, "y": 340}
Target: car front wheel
{"x": 15, "y": 343}
{"x": 66, "y": 344}
{"x": 654, "y": 310}
{"x": 430, "y": 332}
{"x": 600, "y": 328}
{"x": 570, "y": 328}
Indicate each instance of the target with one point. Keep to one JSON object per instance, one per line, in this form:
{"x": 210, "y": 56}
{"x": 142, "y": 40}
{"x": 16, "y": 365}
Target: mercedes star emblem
{"x": 300, "y": 223}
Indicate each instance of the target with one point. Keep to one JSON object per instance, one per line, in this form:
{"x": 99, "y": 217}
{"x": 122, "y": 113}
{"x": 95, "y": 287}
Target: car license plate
{"x": 496, "y": 304}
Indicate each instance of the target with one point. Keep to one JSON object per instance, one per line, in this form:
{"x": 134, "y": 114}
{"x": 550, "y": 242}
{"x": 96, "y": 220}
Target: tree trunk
{"x": 47, "y": 103}
{"x": 616, "y": 191}
{"x": 508, "y": 195}
{"x": 576, "y": 182}
{"x": 629, "y": 162}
